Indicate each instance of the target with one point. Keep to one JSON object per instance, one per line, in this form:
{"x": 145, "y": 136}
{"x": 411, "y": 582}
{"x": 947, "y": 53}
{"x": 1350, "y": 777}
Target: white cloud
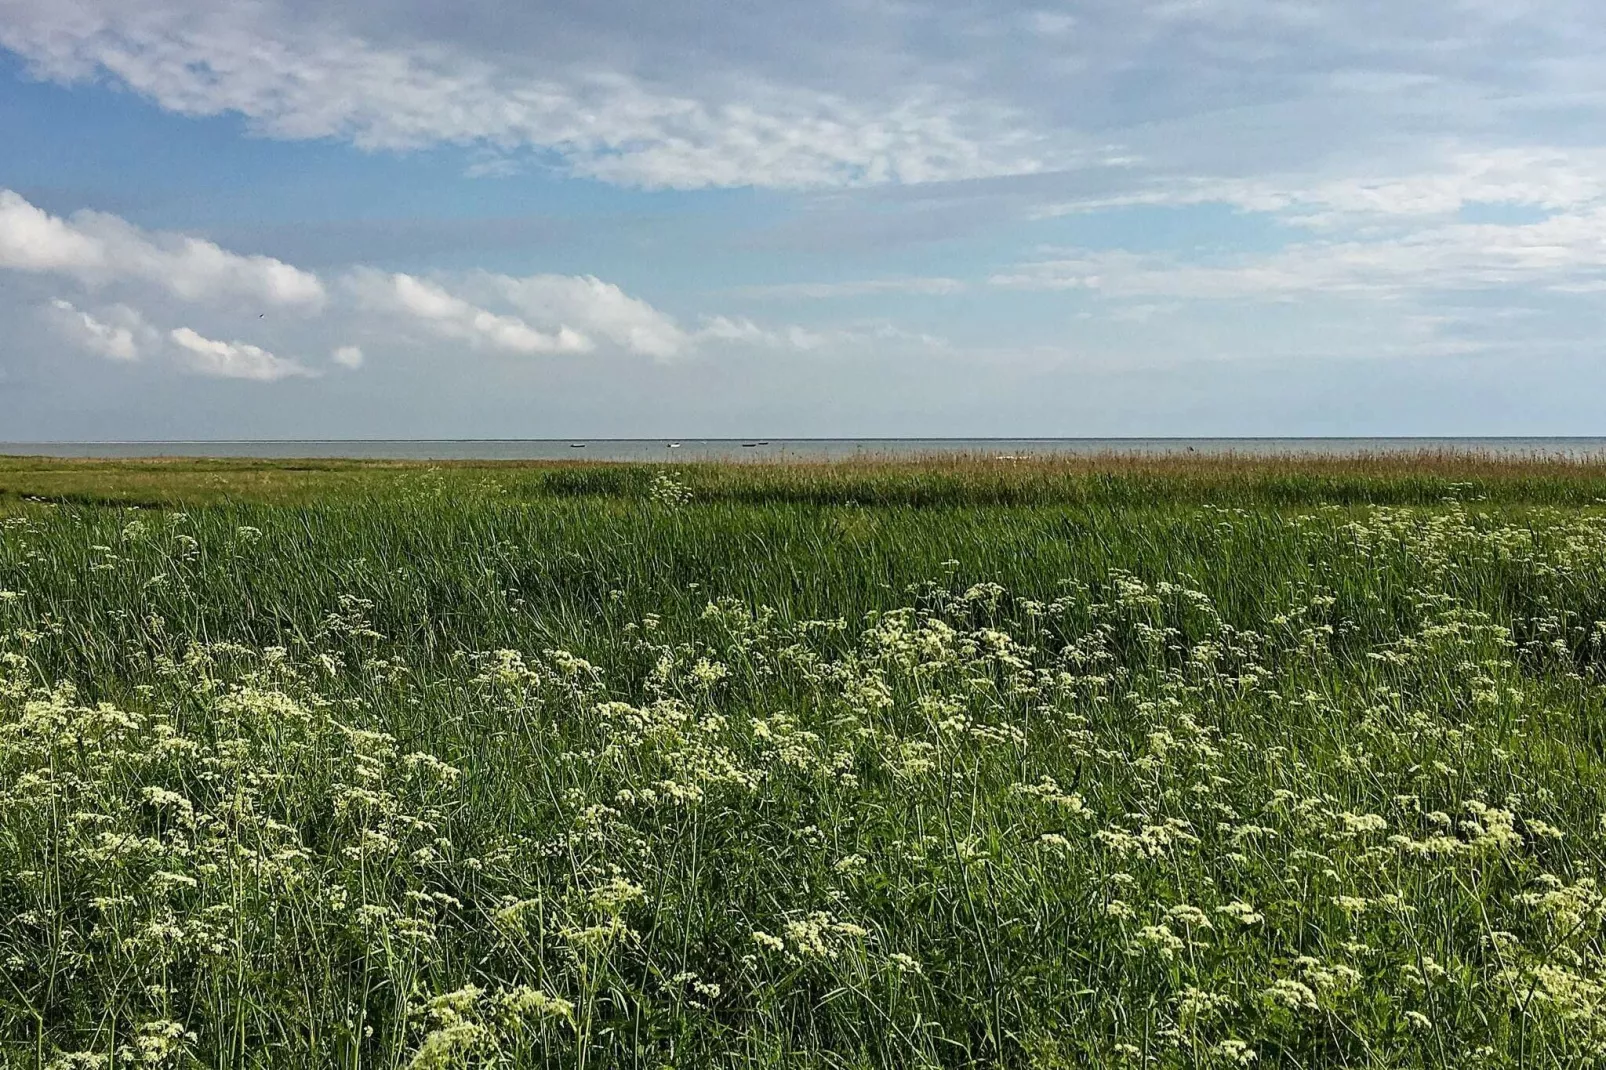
{"x": 844, "y": 92}
{"x": 594, "y": 306}
{"x": 1440, "y": 185}
{"x": 233, "y": 360}
{"x": 34, "y": 240}
{"x": 542, "y": 314}
{"x": 740, "y": 330}
{"x": 451, "y": 316}
{"x": 562, "y": 314}
{"x": 743, "y": 330}
{"x": 121, "y": 333}
{"x": 933, "y": 286}
{"x": 96, "y": 249}
{"x": 1563, "y": 253}
{"x": 112, "y": 340}
{"x": 568, "y": 314}
{"x": 298, "y": 78}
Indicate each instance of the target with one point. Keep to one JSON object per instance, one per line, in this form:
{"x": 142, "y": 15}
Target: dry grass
{"x": 1416, "y": 477}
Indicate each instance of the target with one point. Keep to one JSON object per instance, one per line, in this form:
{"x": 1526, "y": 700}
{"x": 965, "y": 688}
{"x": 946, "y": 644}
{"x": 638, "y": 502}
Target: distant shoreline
{"x": 806, "y": 450}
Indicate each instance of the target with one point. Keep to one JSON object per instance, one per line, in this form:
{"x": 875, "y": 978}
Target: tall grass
{"x": 445, "y": 771}
{"x": 1408, "y": 478}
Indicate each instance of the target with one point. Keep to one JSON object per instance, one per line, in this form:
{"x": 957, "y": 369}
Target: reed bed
{"x": 1400, "y": 478}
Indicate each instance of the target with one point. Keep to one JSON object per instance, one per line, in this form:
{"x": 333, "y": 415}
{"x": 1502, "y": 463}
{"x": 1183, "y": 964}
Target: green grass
{"x": 1138, "y": 763}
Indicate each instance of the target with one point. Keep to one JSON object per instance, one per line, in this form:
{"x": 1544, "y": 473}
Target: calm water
{"x": 796, "y": 449}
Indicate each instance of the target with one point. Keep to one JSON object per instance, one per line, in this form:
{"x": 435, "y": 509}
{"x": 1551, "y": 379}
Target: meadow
{"x": 1114, "y": 762}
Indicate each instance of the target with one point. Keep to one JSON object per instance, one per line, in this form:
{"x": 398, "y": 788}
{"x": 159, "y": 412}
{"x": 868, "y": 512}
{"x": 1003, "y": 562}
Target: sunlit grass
{"x": 560, "y": 766}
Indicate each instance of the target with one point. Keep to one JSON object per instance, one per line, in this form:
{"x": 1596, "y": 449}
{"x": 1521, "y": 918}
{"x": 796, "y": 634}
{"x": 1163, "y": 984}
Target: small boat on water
{"x": 748, "y": 445}
{"x": 577, "y": 445}
{"x": 673, "y": 445}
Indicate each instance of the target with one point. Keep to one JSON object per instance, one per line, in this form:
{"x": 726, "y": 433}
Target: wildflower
{"x": 615, "y": 895}
{"x": 595, "y": 939}
{"x": 1157, "y": 940}
{"x": 1196, "y": 1005}
{"x": 1191, "y": 916}
{"x": 1290, "y": 994}
{"x": 666, "y": 490}
{"x": 1241, "y": 912}
{"x": 161, "y": 798}
{"x": 531, "y": 1004}
{"x": 161, "y": 1041}
{"x": 1491, "y": 828}
{"x": 1363, "y": 823}
{"x": 1235, "y": 1052}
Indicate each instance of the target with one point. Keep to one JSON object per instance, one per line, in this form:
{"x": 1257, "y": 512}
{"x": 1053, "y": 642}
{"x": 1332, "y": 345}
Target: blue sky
{"x": 847, "y": 218}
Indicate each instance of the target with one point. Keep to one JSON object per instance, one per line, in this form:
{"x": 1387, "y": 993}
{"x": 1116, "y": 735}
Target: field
{"x": 1144, "y": 762}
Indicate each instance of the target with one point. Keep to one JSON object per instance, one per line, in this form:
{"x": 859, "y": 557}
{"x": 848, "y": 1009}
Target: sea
{"x": 795, "y": 449}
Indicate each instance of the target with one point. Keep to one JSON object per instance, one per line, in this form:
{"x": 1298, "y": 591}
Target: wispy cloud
{"x": 1442, "y": 184}
{"x": 295, "y": 79}
{"x": 729, "y": 329}
{"x": 1565, "y": 253}
{"x": 935, "y": 286}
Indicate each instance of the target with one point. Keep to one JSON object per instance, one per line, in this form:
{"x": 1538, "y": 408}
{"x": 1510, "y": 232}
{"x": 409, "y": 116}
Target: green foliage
{"x": 464, "y": 774}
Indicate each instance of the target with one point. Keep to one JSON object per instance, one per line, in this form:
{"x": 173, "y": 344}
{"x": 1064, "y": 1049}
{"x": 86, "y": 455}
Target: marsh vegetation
{"x": 1164, "y": 766}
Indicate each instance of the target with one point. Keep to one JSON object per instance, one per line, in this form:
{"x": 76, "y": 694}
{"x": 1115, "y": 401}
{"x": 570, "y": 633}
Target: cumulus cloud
{"x": 118, "y": 334}
{"x": 450, "y": 316}
{"x": 96, "y": 249}
{"x": 578, "y": 314}
{"x": 121, "y": 333}
{"x": 531, "y": 315}
{"x": 593, "y": 306}
{"x": 33, "y": 240}
{"x": 232, "y": 360}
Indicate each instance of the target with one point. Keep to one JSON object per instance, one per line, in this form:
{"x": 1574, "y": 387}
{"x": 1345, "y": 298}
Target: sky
{"x": 844, "y": 218}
